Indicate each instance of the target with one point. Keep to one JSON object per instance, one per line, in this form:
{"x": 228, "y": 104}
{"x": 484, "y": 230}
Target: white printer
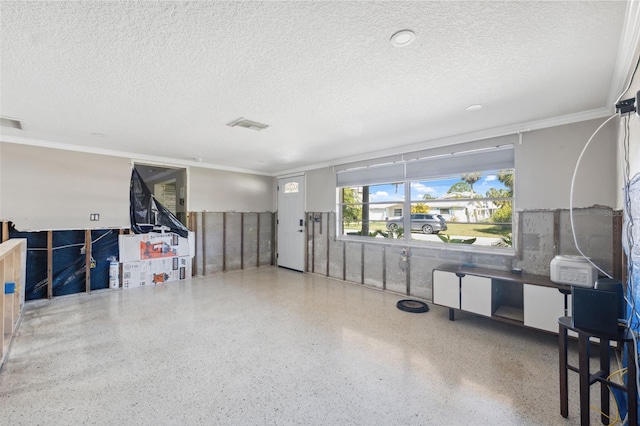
{"x": 573, "y": 270}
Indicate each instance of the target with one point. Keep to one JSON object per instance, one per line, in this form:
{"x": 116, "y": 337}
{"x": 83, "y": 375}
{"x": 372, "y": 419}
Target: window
{"x": 366, "y": 209}
{"x": 462, "y": 198}
{"x": 290, "y": 187}
{"x": 472, "y": 208}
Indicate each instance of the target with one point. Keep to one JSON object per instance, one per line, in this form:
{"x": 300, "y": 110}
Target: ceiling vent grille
{"x": 10, "y": 122}
{"x": 247, "y": 124}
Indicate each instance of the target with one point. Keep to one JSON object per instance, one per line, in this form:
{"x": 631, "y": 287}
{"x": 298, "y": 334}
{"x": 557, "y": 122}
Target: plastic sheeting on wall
{"x": 630, "y": 241}
{"x": 146, "y": 210}
{"x": 69, "y": 261}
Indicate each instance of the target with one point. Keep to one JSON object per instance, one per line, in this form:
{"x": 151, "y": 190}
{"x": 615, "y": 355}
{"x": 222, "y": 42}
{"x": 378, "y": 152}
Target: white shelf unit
{"x": 522, "y": 299}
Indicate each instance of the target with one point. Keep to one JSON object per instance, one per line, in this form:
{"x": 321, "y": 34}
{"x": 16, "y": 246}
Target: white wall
{"x": 321, "y": 190}
{"x": 545, "y": 163}
{"x": 219, "y": 191}
{"x": 46, "y": 188}
{"x": 544, "y": 166}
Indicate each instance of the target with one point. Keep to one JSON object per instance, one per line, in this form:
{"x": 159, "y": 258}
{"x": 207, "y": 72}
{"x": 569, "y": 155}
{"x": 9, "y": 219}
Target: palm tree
{"x": 472, "y": 178}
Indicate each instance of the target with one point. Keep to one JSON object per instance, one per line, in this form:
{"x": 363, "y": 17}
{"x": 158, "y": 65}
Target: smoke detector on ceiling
{"x": 247, "y": 124}
{"x": 10, "y": 122}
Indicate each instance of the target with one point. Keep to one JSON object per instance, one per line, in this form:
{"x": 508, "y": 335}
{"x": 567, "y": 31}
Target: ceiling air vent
{"x": 247, "y": 124}
{"x": 10, "y": 122}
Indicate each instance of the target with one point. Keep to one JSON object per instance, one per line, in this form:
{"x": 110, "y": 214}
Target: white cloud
{"x": 490, "y": 178}
{"x": 422, "y": 189}
{"x": 379, "y": 195}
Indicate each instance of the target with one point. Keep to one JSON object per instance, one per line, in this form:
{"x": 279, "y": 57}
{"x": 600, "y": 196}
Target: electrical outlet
{"x": 94, "y": 217}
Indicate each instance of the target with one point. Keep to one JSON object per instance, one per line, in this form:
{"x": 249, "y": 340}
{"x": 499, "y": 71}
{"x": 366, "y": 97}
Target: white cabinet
{"x": 520, "y": 299}
{"x": 543, "y": 306}
{"x": 446, "y": 289}
{"x": 475, "y": 295}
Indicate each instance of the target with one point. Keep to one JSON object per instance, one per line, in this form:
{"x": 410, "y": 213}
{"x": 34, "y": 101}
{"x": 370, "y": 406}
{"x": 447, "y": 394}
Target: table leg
{"x": 604, "y": 389}
{"x": 632, "y": 390}
{"x": 564, "y": 390}
{"x": 451, "y": 314}
{"x": 583, "y": 366}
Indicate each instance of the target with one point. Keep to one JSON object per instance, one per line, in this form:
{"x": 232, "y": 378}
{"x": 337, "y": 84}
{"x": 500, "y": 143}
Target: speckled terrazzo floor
{"x": 271, "y": 346}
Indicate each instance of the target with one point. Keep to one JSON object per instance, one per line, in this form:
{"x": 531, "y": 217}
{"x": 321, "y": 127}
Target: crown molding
{"x": 123, "y": 154}
{"x": 428, "y": 144}
{"x": 463, "y": 138}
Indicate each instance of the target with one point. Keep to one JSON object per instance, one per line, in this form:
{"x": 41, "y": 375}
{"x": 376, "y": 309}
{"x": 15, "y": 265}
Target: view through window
{"x": 467, "y": 208}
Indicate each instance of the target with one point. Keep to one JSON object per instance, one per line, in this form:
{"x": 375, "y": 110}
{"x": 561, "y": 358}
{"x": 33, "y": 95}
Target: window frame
{"x": 485, "y": 163}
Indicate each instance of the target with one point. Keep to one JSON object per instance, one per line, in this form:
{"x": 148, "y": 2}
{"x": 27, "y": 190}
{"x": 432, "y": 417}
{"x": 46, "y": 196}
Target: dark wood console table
{"x": 587, "y": 379}
{"x": 516, "y": 298}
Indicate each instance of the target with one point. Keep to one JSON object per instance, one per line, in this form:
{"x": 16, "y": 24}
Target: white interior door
{"x": 291, "y": 237}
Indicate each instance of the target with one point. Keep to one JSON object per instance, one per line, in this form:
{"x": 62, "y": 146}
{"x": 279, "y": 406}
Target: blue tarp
{"x": 69, "y": 261}
{"x": 630, "y": 242}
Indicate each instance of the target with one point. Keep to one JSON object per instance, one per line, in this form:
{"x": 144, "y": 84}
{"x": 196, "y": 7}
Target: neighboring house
{"x": 456, "y": 209}
{"x": 384, "y": 211}
{"x": 452, "y": 207}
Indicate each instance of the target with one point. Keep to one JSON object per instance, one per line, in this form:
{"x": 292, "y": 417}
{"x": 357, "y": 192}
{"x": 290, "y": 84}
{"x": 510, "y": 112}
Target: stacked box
{"x": 155, "y": 258}
{"x": 133, "y": 275}
{"x": 183, "y": 269}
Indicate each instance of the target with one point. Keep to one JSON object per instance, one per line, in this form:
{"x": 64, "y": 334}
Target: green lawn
{"x": 476, "y": 229}
{"x": 461, "y": 229}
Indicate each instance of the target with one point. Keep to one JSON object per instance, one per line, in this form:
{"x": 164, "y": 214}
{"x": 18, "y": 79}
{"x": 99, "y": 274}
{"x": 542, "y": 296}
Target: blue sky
{"x": 436, "y": 188}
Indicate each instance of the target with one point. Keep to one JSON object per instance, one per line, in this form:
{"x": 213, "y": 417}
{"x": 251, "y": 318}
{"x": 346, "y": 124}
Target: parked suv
{"x": 427, "y": 223}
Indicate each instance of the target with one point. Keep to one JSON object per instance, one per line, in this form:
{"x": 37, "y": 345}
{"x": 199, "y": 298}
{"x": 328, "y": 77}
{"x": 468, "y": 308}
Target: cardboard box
{"x": 161, "y": 270}
{"x": 129, "y": 248}
{"x": 134, "y": 275}
{"x": 183, "y": 268}
{"x": 155, "y": 245}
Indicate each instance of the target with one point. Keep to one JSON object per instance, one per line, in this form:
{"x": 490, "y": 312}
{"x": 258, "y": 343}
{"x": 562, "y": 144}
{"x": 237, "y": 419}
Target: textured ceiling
{"x": 162, "y": 79}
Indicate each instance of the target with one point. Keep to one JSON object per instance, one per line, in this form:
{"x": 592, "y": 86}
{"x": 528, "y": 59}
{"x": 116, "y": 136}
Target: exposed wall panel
{"x": 320, "y": 252}
{"x": 336, "y": 261}
{"x": 594, "y": 230}
{"x": 233, "y": 241}
{"x": 200, "y": 237}
{"x": 374, "y": 265}
{"x": 492, "y": 261}
{"x": 214, "y": 246}
{"x": 353, "y": 258}
{"x": 422, "y": 263}
{"x": 250, "y": 245}
{"x": 311, "y": 228}
{"x": 537, "y": 241}
{"x": 266, "y": 237}
{"x": 396, "y": 270}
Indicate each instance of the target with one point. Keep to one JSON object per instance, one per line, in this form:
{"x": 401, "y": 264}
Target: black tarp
{"x": 147, "y": 212}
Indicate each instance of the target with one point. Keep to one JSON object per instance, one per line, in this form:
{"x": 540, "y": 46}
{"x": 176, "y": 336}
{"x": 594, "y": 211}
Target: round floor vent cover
{"x": 414, "y": 306}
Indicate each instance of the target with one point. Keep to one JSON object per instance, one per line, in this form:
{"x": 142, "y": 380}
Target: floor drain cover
{"x": 414, "y": 306}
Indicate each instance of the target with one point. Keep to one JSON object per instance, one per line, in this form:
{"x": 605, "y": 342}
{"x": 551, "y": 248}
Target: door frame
{"x": 304, "y": 217}
{"x": 177, "y": 167}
